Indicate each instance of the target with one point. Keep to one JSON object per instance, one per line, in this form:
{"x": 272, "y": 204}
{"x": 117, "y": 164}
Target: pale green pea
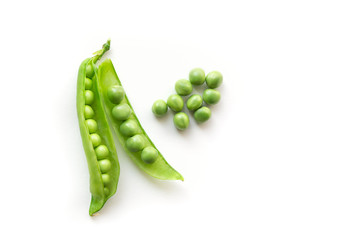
{"x": 95, "y": 139}
{"x": 88, "y": 84}
{"x": 89, "y": 71}
{"x": 106, "y": 191}
{"x": 211, "y": 96}
{"x": 194, "y": 102}
{"x": 202, "y": 114}
{"x": 89, "y": 97}
{"x": 88, "y": 112}
{"x": 183, "y": 87}
{"x": 104, "y": 165}
{"x": 159, "y": 108}
{"x": 135, "y": 143}
{"x": 129, "y": 128}
{"x": 175, "y": 102}
{"x": 181, "y": 120}
{"x": 197, "y": 76}
{"x": 92, "y": 125}
{"x": 149, "y": 155}
{"x": 105, "y": 178}
{"x": 115, "y": 94}
{"x": 214, "y": 79}
{"x": 121, "y": 112}
{"x": 101, "y": 152}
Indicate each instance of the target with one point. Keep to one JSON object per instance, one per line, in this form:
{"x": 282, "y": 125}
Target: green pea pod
{"x": 127, "y": 127}
{"x": 98, "y": 144}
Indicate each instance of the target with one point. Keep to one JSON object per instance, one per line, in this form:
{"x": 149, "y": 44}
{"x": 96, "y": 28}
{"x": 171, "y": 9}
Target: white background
{"x": 279, "y": 159}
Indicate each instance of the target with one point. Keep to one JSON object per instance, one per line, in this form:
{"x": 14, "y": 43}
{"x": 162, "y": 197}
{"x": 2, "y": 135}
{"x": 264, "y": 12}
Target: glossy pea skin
{"x": 89, "y": 97}
{"x": 106, "y": 178}
{"x": 129, "y": 128}
{"x": 88, "y": 84}
{"x": 149, "y": 155}
{"x": 121, "y": 112}
{"x": 89, "y": 71}
{"x": 181, "y": 121}
{"x": 197, "y": 76}
{"x": 183, "y": 87}
{"x": 159, "y": 108}
{"x": 88, "y": 112}
{"x": 92, "y": 125}
{"x": 202, "y": 114}
{"x": 95, "y": 139}
{"x": 115, "y": 94}
{"x": 175, "y": 102}
{"x": 211, "y": 96}
{"x": 105, "y": 165}
{"x": 194, "y": 102}
{"x": 214, "y": 79}
{"x": 135, "y": 143}
{"x": 101, "y": 152}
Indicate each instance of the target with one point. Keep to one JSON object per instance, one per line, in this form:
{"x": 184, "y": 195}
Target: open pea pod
{"x": 98, "y": 144}
{"x": 127, "y": 127}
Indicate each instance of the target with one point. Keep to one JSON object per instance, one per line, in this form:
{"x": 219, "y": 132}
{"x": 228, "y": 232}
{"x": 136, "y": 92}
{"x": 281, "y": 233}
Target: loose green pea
{"x": 202, "y": 114}
{"x": 159, "y": 108}
{"x": 115, "y": 94}
{"x": 101, "y": 152}
{"x": 149, "y": 155}
{"x": 88, "y": 112}
{"x": 89, "y": 71}
{"x": 129, "y": 128}
{"x": 135, "y": 143}
{"x": 88, "y": 84}
{"x": 214, "y": 79}
{"x": 211, "y": 96}
{"x": 194, "y": 102}
{"x": 106, "y": 191}
{"x": 95, "y": 139}
{"x": 104, "y": 165}
{"x": 89, "y": 97}
{"x": 106, "y": 179}
{"x": 197, "y": 76}
{"x": 92, "y": 125}
{"x": 121, "y": 112}
{"x": 183, "y": 87}
{"x": 175, "y": 102}
{"x": 181, "y": 121}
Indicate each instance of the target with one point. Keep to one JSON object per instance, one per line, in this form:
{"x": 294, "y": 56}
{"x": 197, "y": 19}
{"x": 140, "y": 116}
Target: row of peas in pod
{"x": 195, "y": 103}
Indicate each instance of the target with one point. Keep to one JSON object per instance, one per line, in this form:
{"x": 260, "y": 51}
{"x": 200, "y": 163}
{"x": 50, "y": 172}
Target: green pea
{"x": 95, "y": 139}
{"x": 88, "y": 112}
{"x": 92, "y": 125}
{"x": 106, "y": 191}
{"x": 104, "y": 165}
{"x": 88, "y": 84}
{"x": 135, "y": 143}
{"x": 202, "y": 114}
{"x": 159, "y": 108}
{"x": 197, "y": 76}
{"x": 181, "y": 121}
{"x": 121, "y": 112}
{"x": 106, "y": 179}
{"x": 89, "y": 97}
{"x": 194, "y": 102}
{"x": 101, "y": 152}
{"x": 211, "y": 96}
{"x": 89, "y": 71}
{"x": 115, "y": 94}
{"x": 149, "y": 155}
{"x": 175, "y": 102}
{"x": 183, "y": 87}
{"x": 214, "y": 79}
{"x": 129, "y": 128}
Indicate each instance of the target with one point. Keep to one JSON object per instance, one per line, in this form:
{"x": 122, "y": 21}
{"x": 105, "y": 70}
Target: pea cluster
{"x": 195, "y": 103}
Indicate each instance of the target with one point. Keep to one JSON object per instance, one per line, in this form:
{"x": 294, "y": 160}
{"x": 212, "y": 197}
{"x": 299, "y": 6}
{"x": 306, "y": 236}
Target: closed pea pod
{"x": 130, "y": 133}
{"x": 95, "y": 134}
